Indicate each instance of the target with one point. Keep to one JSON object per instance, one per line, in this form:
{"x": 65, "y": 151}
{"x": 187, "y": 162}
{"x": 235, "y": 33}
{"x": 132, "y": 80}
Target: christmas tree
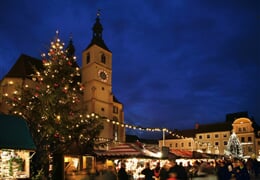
{"x": 234, "y": 147}
{"x": 51, "y": 104}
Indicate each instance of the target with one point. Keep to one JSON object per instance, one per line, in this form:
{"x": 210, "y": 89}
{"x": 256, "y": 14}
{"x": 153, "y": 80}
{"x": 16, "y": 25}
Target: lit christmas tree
{"x": 234, "y": 147}
{"x": 51, "y": 104}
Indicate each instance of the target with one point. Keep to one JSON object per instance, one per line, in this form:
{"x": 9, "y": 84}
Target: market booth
{"x": 134, "y": 156}
{"x": 16, "y": 146}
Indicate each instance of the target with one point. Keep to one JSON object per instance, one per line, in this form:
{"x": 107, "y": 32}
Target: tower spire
{"x": 97, "y": 33}
{"x": 70, "y": 48}
{"x": 97, "y": 28}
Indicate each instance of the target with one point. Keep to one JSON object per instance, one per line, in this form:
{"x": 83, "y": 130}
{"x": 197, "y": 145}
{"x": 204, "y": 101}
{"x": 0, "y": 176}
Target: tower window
{"x": 115, "y": 109}
{"x": 103, "y": 59}
{"x": 102, "y": 109}
{"x": 115, "y": 129}
{"x": 88, "y": 58}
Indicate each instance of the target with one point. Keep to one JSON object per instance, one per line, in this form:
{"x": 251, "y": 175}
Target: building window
{"x": 103, "y": 88}
{"x": 225, "y": 143}
{"x": 189, "y": 144}
{"x": 200, "y": 136}
{"x": 182, "y": 144}
{"x": 249, "y": 139}
{"x": 103, "y": 59}
{"x": 208, "y": 136}
{"x": 102, "y": 109}
{"x": 242, "y": 139}
{"x": 216, "y": 143}
{"x": 239, "y": 130}
{"x": 176, "y": 145}
{"x": 244, "y": 129}
{"x": 224, "y": 135}
{"x": 216, "y": 136}
{"x": 170, "y": 145}
{"x": 258, "y": 143}
{"x": 88, "y": 58}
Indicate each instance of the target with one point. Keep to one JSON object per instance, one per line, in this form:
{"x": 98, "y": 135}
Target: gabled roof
{"x": 116, "y": 100}
{"x": 14, "y": 133}
{"x": 24, "y": 67}
{"x": 215, "y": 127}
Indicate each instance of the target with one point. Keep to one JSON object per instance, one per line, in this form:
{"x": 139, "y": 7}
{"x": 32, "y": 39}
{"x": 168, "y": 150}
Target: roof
{"x": 116, "y": 100}
{"x": 97, "y": 35}
{"x": 24, "y": 67}
{"x": 14, "y": 133}
{"x": 215, "y": 127}
{"x": 181, "y": 153}
{"x": 128, "y": 150}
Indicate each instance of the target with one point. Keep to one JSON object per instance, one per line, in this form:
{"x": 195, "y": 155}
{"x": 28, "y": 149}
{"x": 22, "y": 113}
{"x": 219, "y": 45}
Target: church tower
{"x": 97, "y": 80}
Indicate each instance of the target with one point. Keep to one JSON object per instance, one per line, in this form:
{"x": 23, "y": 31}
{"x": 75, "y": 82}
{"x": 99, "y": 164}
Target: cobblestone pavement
{"x": 77, "y": 176}
{"x": 208, "y": 177}
{"x": 82, "y": 176}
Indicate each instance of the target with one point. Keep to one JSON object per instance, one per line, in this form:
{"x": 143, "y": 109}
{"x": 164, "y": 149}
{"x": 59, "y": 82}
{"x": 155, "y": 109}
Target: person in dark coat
{"x": 240, "y": 171}
{"x": 122, "y": 174}
{"x": 163, "y": 172}
{"x": 147, "y": 172}
{"x": 222, "y": 171}
{"x": 182, "y": 174}
{"x": 178, "y": 170}
{"x": 156, "y": 171}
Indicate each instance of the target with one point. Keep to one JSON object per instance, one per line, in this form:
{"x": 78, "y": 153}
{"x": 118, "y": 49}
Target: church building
{"x": 96, "y": 76}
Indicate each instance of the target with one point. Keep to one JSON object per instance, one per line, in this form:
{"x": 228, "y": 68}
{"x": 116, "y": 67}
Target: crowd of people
{"x": 238, "y": 169}
{"x": 224, "y": 169}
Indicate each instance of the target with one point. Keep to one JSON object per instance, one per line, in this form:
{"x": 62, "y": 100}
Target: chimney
{"x": 197, "y": 126}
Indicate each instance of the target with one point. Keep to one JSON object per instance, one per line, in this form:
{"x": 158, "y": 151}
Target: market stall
{"x": 134, "y": 156}
{"x": 16, "y": 147}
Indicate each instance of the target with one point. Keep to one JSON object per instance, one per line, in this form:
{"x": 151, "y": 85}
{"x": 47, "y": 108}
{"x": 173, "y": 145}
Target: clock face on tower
{"x": 103, "y": 75}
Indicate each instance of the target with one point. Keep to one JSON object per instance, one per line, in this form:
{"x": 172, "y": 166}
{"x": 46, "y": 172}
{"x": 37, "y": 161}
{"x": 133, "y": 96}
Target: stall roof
{"x": 14, "y": 133}
{"x": 192, "y": 154}
{"x": 127, "y": 150}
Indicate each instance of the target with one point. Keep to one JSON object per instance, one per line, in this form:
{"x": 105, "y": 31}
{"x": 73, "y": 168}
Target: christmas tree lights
{"x": 51, "y": 105}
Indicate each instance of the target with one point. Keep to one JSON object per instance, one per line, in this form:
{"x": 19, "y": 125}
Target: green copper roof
{"x": 14, "y": 133}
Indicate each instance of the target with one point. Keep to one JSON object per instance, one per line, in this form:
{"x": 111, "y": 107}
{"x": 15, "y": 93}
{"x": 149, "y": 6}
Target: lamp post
{"x": 163, "y": 137}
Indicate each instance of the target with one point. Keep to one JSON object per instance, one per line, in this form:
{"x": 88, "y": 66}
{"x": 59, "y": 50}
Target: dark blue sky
{"x": 175, "y": 63}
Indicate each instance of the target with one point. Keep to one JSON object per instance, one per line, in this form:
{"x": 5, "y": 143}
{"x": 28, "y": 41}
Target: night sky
{"x": 175, "y": 62}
